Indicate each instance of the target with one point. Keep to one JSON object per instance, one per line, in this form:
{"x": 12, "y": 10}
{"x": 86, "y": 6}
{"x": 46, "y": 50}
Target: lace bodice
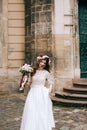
{"x": 41, "y": 77}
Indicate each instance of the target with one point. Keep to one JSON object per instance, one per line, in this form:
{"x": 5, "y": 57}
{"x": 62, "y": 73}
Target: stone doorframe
{"x": 76, "y": 40}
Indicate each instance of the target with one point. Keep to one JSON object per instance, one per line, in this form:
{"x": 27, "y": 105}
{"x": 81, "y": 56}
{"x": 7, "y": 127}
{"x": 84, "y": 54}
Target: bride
{"x": 38, "y": 114}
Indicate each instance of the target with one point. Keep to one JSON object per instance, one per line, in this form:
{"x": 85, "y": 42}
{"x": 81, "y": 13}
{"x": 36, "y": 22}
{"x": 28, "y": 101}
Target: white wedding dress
{"x": 38, "y": 114}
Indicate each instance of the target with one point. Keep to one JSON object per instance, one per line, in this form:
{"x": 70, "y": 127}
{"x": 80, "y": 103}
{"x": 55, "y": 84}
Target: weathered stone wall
{"x": 50, "y": 29}
{"x": 42, "y": 26}
{"x": 28, "y": 39}
{"x": 1, "y": 35}
{"x": 16, "y": 34}
{"x": 12, "y": 36}
{"x": 64, "y": 43}
{"x": 39, "y": 30}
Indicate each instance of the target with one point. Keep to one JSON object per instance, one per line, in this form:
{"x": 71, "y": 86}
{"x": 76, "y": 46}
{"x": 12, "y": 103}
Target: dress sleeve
{"x": 50, "y": 80}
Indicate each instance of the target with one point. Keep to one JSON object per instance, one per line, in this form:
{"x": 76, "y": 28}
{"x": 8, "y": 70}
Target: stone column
{"x": 76, "y": 41}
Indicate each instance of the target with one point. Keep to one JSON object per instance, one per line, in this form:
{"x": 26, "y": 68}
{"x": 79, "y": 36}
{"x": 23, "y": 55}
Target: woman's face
{"x": 42, "y": 63}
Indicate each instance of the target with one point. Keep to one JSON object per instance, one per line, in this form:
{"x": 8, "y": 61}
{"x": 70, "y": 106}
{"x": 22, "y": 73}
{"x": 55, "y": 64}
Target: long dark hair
{"x": 47, "y": 67}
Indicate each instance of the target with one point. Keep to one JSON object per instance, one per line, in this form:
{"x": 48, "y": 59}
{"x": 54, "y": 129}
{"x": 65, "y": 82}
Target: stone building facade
{"x": 12, "y": 36}
{"x": 32, "y": 27}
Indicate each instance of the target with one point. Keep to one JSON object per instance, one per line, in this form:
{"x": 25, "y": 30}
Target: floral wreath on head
{"x": 44, "y": 57}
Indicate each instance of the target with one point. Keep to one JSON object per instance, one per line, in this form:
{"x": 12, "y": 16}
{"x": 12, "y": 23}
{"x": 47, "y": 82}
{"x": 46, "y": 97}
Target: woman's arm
{"x": 29, "y": 81}
{"x": 50, "y": 82}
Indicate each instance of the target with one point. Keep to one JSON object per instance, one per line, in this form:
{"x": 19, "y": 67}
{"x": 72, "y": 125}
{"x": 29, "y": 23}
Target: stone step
{"x": 79, "y": 83}
{"x": 79, "y": 86}
{"x": 75, "y": 96}
{"x": 64, "y": 95}
{"x": 68, "y": 103}
{"x": 75, "y": 90}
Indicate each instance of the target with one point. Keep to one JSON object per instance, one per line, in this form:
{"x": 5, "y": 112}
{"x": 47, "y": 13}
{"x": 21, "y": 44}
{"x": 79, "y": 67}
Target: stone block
{"x": 46, "y": 7}
{"x": 33, "y": 18}
{"x": 16, "y": 39}
{"x": 67, "y": 29}
{"x": 16, "y": 55}
{"x": 41, "y": 44}
{"x": 16, "y": 1}
{"x": 42, "y": 17}
{"x": 68, "y": 64}
{"x": 33, "y": 9}
{"x": 37, "y": 17}
{"x": 67, "y": 52}
{"x": 16, "y": 7}
{"x": 59, "y": 64}
{"x": 60, "y": 53}
{"x": 16, "y": 31}
{"x": 59, "y": 41}
{"x": 38, "y": 8}
{"x": 16, "y": 15}
{"x": 16, "y": 47}
{"x": 68, "y": 20}
{"x": 68, "y": 9}
{"x": 16, "y": 23}
{"x": 15, "y": 63}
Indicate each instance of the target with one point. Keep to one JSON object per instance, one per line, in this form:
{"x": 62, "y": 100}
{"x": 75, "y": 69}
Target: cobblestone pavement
{"x": 11, "y": 108}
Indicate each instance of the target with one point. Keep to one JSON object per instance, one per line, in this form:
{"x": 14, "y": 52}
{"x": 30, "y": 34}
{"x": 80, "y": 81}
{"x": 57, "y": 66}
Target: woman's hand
{"x": 28, "y": 84}
{"x": 51, "y": 91}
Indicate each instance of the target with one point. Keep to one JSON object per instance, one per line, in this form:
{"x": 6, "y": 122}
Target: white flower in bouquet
{"x": 26, "y": 69}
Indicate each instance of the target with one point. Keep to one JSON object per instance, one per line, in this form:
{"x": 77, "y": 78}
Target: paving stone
{"x": 64, "y": 128}
{"x": 85, "y": 127}
{"x": 11, "y": 108}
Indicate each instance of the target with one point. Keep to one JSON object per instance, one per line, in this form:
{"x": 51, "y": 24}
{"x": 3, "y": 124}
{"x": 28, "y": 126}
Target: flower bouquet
{"x": 26, "y": 69}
